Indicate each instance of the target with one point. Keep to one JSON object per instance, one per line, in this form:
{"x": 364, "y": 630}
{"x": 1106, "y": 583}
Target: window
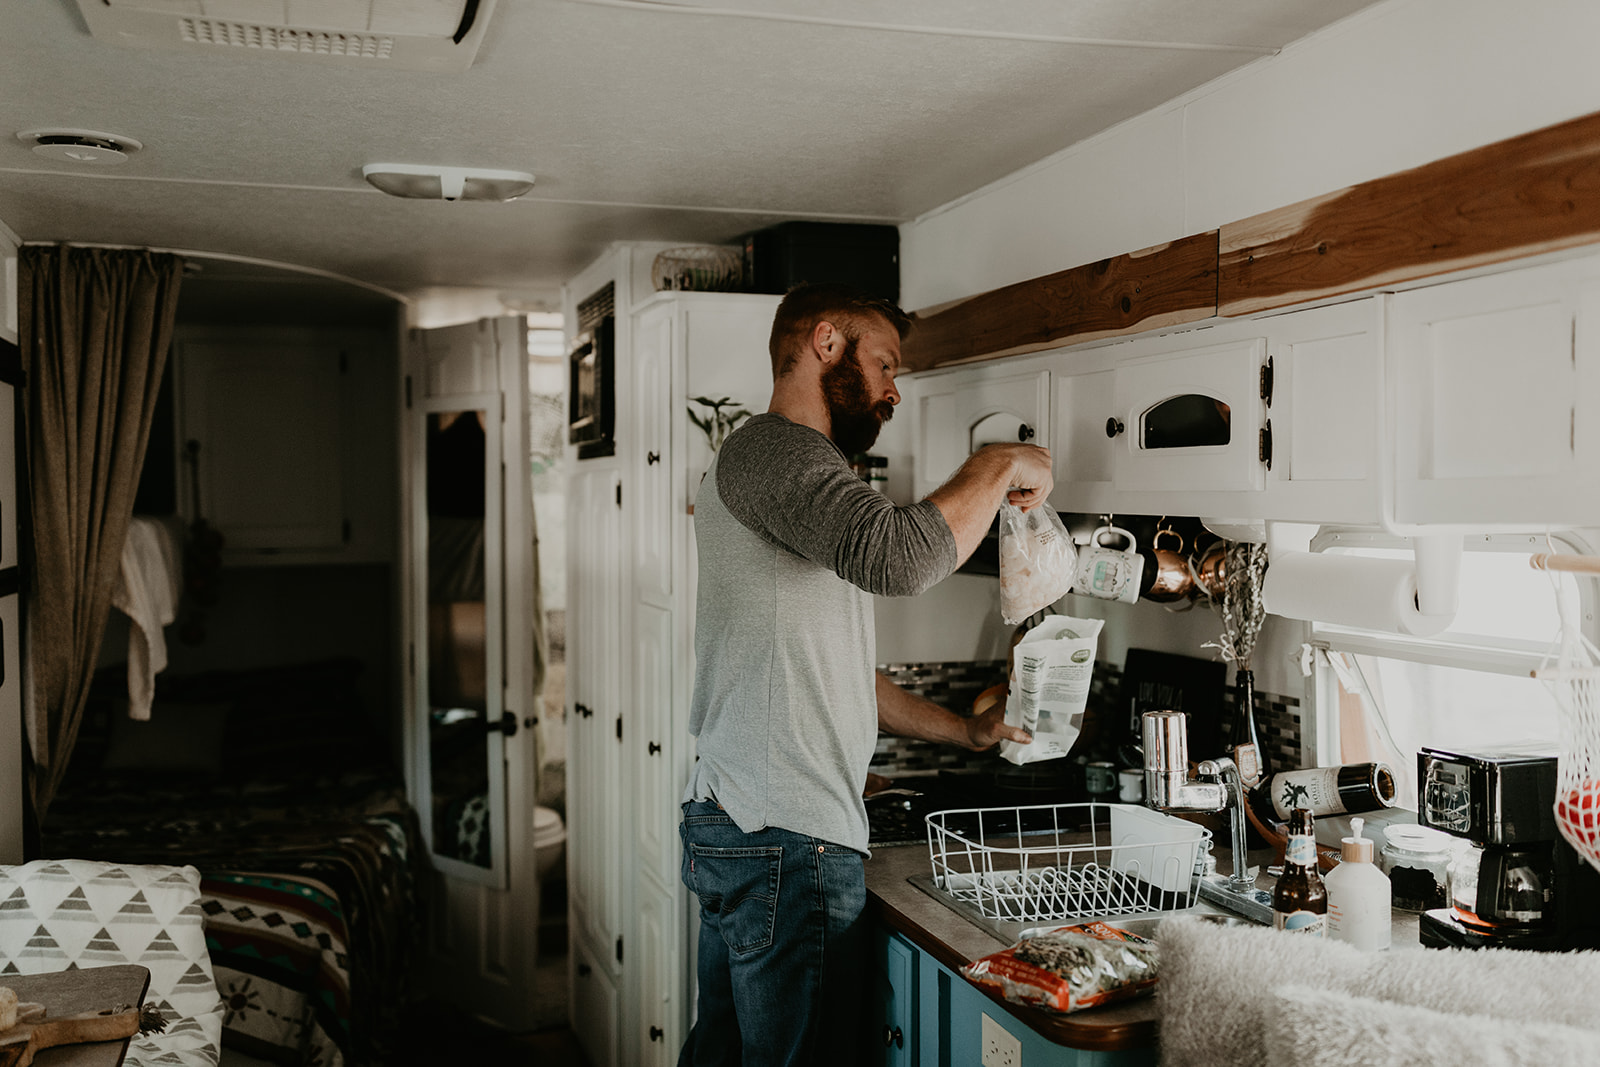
{"x": 1383, "y": 696}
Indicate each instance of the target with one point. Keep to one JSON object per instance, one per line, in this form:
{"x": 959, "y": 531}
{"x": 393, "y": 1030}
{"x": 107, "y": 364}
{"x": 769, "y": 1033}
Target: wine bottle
{"x": 1349, "y": 789}
{"x": 1300, "y": 900}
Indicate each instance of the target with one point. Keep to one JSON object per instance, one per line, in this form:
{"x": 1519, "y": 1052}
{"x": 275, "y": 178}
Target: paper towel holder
{"x": 1436, "y": 562}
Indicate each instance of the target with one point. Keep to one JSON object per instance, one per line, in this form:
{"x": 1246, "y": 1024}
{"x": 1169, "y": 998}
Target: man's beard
{"x": 854, "y": 417}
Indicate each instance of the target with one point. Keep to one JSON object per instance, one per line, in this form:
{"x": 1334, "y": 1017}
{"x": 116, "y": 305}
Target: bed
{"x": 312, "y": 867}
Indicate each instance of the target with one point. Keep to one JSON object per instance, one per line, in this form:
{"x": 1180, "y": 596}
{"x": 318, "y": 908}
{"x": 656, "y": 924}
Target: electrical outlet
{"x": 1000, "y": 1046}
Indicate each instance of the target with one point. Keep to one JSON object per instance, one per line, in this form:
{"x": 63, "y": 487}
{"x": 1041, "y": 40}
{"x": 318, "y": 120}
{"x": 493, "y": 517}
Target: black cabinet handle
{"x": 652, "y": 458}
{"x": 654, "y": 748}
{"x": 506, "y": 725}
{"x": 584, "y": 970}
{"x": 656, "y": 1033}
{"x": 1024, "y": 432}
{"x": 893, "y": 1037}
{"x": 1114, "y": 426}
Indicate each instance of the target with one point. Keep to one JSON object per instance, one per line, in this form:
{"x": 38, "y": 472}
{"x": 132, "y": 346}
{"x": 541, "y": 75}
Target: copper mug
{"x": 1173, "y": 579}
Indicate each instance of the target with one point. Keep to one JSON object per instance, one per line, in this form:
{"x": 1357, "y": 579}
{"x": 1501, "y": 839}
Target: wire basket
{"x": 701, "y": 268}
{"x": 1066, "y": 861}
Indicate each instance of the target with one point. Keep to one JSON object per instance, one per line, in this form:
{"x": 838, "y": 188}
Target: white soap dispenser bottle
{"x": 1358, "y": 895}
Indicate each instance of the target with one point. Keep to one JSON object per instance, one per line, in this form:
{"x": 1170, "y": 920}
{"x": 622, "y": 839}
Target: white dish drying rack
{"x": 1069, "y": 861}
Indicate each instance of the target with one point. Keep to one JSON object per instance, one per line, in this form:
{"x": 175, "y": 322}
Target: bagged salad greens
{"x": 1071, "y": 968}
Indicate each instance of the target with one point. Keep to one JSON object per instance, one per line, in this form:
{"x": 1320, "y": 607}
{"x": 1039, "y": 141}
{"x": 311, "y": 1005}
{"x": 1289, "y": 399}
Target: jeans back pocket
{"x": 738, "y": 891}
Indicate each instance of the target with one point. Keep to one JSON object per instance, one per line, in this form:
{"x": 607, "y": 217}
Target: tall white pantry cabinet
{"x": 631, "y": 595}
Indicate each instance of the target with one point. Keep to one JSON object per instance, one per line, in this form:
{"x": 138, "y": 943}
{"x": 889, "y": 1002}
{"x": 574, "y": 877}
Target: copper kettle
{"x": 1210, "y": 569}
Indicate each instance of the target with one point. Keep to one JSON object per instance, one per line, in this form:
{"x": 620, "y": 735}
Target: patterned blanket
{"x": 310, "y": 884}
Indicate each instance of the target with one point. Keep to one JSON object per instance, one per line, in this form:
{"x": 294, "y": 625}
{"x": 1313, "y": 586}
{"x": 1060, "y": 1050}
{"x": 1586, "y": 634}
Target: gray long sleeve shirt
{"x": 792, "y": 545}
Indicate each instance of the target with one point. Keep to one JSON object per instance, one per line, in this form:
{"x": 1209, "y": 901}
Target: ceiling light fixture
{"x": 81, "y": 146}
{"x": 422, "y": 182}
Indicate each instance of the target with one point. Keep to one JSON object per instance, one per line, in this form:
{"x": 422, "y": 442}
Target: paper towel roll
{"x": 1372, "y": 594}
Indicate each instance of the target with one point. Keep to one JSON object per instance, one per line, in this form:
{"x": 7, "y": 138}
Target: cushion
{"x": 59, "y": 914}
{"x": 1311, "y": 1027}
{"x": 178, "y": 737}
{"x": 1219, "y": 985}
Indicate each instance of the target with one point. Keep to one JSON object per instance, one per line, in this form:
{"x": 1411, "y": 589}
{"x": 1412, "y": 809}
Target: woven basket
{"x": 703, "y": 268}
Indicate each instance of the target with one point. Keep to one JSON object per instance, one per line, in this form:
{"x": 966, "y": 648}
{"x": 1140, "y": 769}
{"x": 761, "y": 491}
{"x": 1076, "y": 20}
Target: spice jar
{"x": 1417, "y": 861}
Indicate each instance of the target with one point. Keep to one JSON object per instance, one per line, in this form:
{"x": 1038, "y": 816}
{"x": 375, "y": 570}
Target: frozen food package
{"x": 1037, "y": 561}
{"x": 1071, "y": 968}
{"x": 1054, "y": 664}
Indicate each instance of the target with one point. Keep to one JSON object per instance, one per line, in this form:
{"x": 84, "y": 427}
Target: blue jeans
{"x": 783, "y": 945}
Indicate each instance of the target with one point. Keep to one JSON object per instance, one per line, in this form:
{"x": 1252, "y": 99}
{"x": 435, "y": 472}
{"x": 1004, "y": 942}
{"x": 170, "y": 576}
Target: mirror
{"x": 1187, "y": 421}
{"x": 459, "y": 639}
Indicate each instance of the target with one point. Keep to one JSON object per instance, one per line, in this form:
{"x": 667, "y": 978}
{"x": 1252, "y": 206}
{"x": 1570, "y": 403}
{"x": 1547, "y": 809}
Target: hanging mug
{"x": 1107, "y": 571}
{"x": 1172, "y": 581}
{"x": 1210, "y": 569}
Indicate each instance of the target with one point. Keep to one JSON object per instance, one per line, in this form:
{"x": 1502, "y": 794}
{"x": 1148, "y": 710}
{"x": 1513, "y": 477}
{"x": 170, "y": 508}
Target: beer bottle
{"x": 1299, "y": 901}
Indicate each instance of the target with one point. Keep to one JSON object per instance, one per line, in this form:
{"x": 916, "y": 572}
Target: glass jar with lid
{"x": 1417, "y": 861}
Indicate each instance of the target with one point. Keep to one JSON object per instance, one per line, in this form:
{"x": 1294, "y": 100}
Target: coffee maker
{"x": 1521, "y": 885}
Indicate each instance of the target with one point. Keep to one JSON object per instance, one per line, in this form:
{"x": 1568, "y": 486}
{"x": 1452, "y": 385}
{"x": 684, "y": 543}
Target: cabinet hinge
{"x": 1264, "y": 450}
{"x": 1266, "y": 381}
{"x": 408, "y": 392}
{"x": 619, "y": 950}
{"x": 619, "y": 727}
{"x": 619, "y": 494}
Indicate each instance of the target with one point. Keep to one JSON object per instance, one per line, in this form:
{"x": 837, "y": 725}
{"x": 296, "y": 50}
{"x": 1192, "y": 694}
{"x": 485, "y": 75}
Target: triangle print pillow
{"x": 58, "y": 915}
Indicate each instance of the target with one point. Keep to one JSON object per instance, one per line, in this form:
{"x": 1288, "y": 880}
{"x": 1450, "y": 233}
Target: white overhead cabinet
{"x": 959, "y": 412}
{"x": 1496, "y": 384}
{"x": 632, "y": 595}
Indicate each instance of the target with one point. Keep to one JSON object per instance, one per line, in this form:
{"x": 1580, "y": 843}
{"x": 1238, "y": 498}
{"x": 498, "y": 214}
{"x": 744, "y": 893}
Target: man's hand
{"x": 992, "y": 475}
{"x": 990, "y": 728}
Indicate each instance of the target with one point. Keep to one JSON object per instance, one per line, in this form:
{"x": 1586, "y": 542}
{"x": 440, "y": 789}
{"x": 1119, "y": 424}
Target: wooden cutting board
{"x": 67, "y": 996}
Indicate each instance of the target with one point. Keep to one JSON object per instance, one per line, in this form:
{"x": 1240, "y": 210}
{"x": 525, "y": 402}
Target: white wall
{"x": 1395, "y": 86}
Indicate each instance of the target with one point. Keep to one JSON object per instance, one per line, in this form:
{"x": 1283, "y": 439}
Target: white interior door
{"x": 469, "y": 602}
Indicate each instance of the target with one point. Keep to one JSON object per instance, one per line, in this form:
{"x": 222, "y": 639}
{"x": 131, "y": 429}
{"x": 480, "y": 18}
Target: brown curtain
{"x": 95, "y": 327}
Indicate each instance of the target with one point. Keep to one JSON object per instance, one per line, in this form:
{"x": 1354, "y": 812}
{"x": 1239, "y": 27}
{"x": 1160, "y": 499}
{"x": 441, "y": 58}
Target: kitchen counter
{"x": 895, "y": 900}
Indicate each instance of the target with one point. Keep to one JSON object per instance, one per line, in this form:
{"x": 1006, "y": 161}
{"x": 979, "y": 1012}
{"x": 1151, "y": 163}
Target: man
{"x": 787, "y": 702}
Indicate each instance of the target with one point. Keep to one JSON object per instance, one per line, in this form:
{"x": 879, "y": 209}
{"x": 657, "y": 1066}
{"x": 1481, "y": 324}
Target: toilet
{"x": 549, "y": 841}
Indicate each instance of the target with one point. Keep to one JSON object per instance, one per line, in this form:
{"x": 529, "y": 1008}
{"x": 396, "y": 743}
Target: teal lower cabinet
{"x": 929, "y": 1016}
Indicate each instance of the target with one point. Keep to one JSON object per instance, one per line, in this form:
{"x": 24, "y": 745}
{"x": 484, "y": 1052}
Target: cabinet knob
{"x": 656, "y": 1033}
{"x": 1024, "y": 432}
{"x": 654, "y": 748}
{"x": 893, "y": 1037}
{"x": 584, "y": 970}
{"x": 1114, "y": 426}
{"x": 652, "y": 458}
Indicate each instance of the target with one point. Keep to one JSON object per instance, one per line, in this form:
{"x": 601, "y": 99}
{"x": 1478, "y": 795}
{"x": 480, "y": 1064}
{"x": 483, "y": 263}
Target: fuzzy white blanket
{"x": 1248, "y": 996}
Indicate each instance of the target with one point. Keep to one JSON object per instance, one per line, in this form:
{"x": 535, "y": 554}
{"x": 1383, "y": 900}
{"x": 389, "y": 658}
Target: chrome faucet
{"x": 1168, "y": 787}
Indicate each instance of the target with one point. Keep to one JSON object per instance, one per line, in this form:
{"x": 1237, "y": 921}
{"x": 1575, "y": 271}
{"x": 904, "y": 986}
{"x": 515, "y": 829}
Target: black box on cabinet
{"x": 863, "y": 255}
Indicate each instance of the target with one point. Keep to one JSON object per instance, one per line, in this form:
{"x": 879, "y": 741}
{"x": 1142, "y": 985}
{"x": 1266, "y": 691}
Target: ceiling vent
{"x": 434, "y": 35}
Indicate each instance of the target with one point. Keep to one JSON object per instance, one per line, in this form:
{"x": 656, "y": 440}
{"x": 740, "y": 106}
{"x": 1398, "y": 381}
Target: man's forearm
{"x": 972, "y": 496}
{"x": 908, "y": 715}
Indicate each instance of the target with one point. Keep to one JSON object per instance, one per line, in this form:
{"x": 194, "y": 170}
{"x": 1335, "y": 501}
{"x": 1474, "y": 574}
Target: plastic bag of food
{"x": 1054, "y": 665}
{"x": 1037, "y": 561}
{"x": 1071, "y": 968}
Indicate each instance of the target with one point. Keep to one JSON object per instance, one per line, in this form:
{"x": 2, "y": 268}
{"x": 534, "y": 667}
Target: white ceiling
{"x": 642, "y": 121}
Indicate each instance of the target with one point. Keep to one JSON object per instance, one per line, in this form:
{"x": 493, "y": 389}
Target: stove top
{"x": 898, "y": 815}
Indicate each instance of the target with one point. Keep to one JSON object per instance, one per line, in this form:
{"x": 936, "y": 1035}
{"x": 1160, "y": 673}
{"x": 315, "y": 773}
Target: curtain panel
{"x": 95, "y": 326}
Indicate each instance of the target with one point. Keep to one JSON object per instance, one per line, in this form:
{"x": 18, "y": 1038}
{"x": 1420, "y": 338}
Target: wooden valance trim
{"x": 1534, "y": 193}
{"x": 1161, "y": 286}
{"x": 1538, "y": 192}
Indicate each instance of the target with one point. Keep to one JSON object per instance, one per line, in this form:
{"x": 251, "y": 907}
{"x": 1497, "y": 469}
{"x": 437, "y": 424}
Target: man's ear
{"x": 827, "y": 342}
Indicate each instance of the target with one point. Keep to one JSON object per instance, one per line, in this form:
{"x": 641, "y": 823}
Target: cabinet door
{"x": 656, "y": 792}
{"x": 960, "y": 413}
{"x": 1081, "y": 453}
{"x": 594, "y": 800}
{"x": 266, "y": 417}
{"x": 594, "y": 1009}
{"x": 659, "y": 1035}
{"x": 1496, "y": 399}
{"x": 1190, "y": 420}
{"x": 652, "y": 462}
{"x": 895, "y": 1028}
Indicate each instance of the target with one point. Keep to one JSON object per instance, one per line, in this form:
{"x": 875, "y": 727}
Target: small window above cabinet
{"x": 960, "y": 412}
{"x": 1192, "y": 420}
